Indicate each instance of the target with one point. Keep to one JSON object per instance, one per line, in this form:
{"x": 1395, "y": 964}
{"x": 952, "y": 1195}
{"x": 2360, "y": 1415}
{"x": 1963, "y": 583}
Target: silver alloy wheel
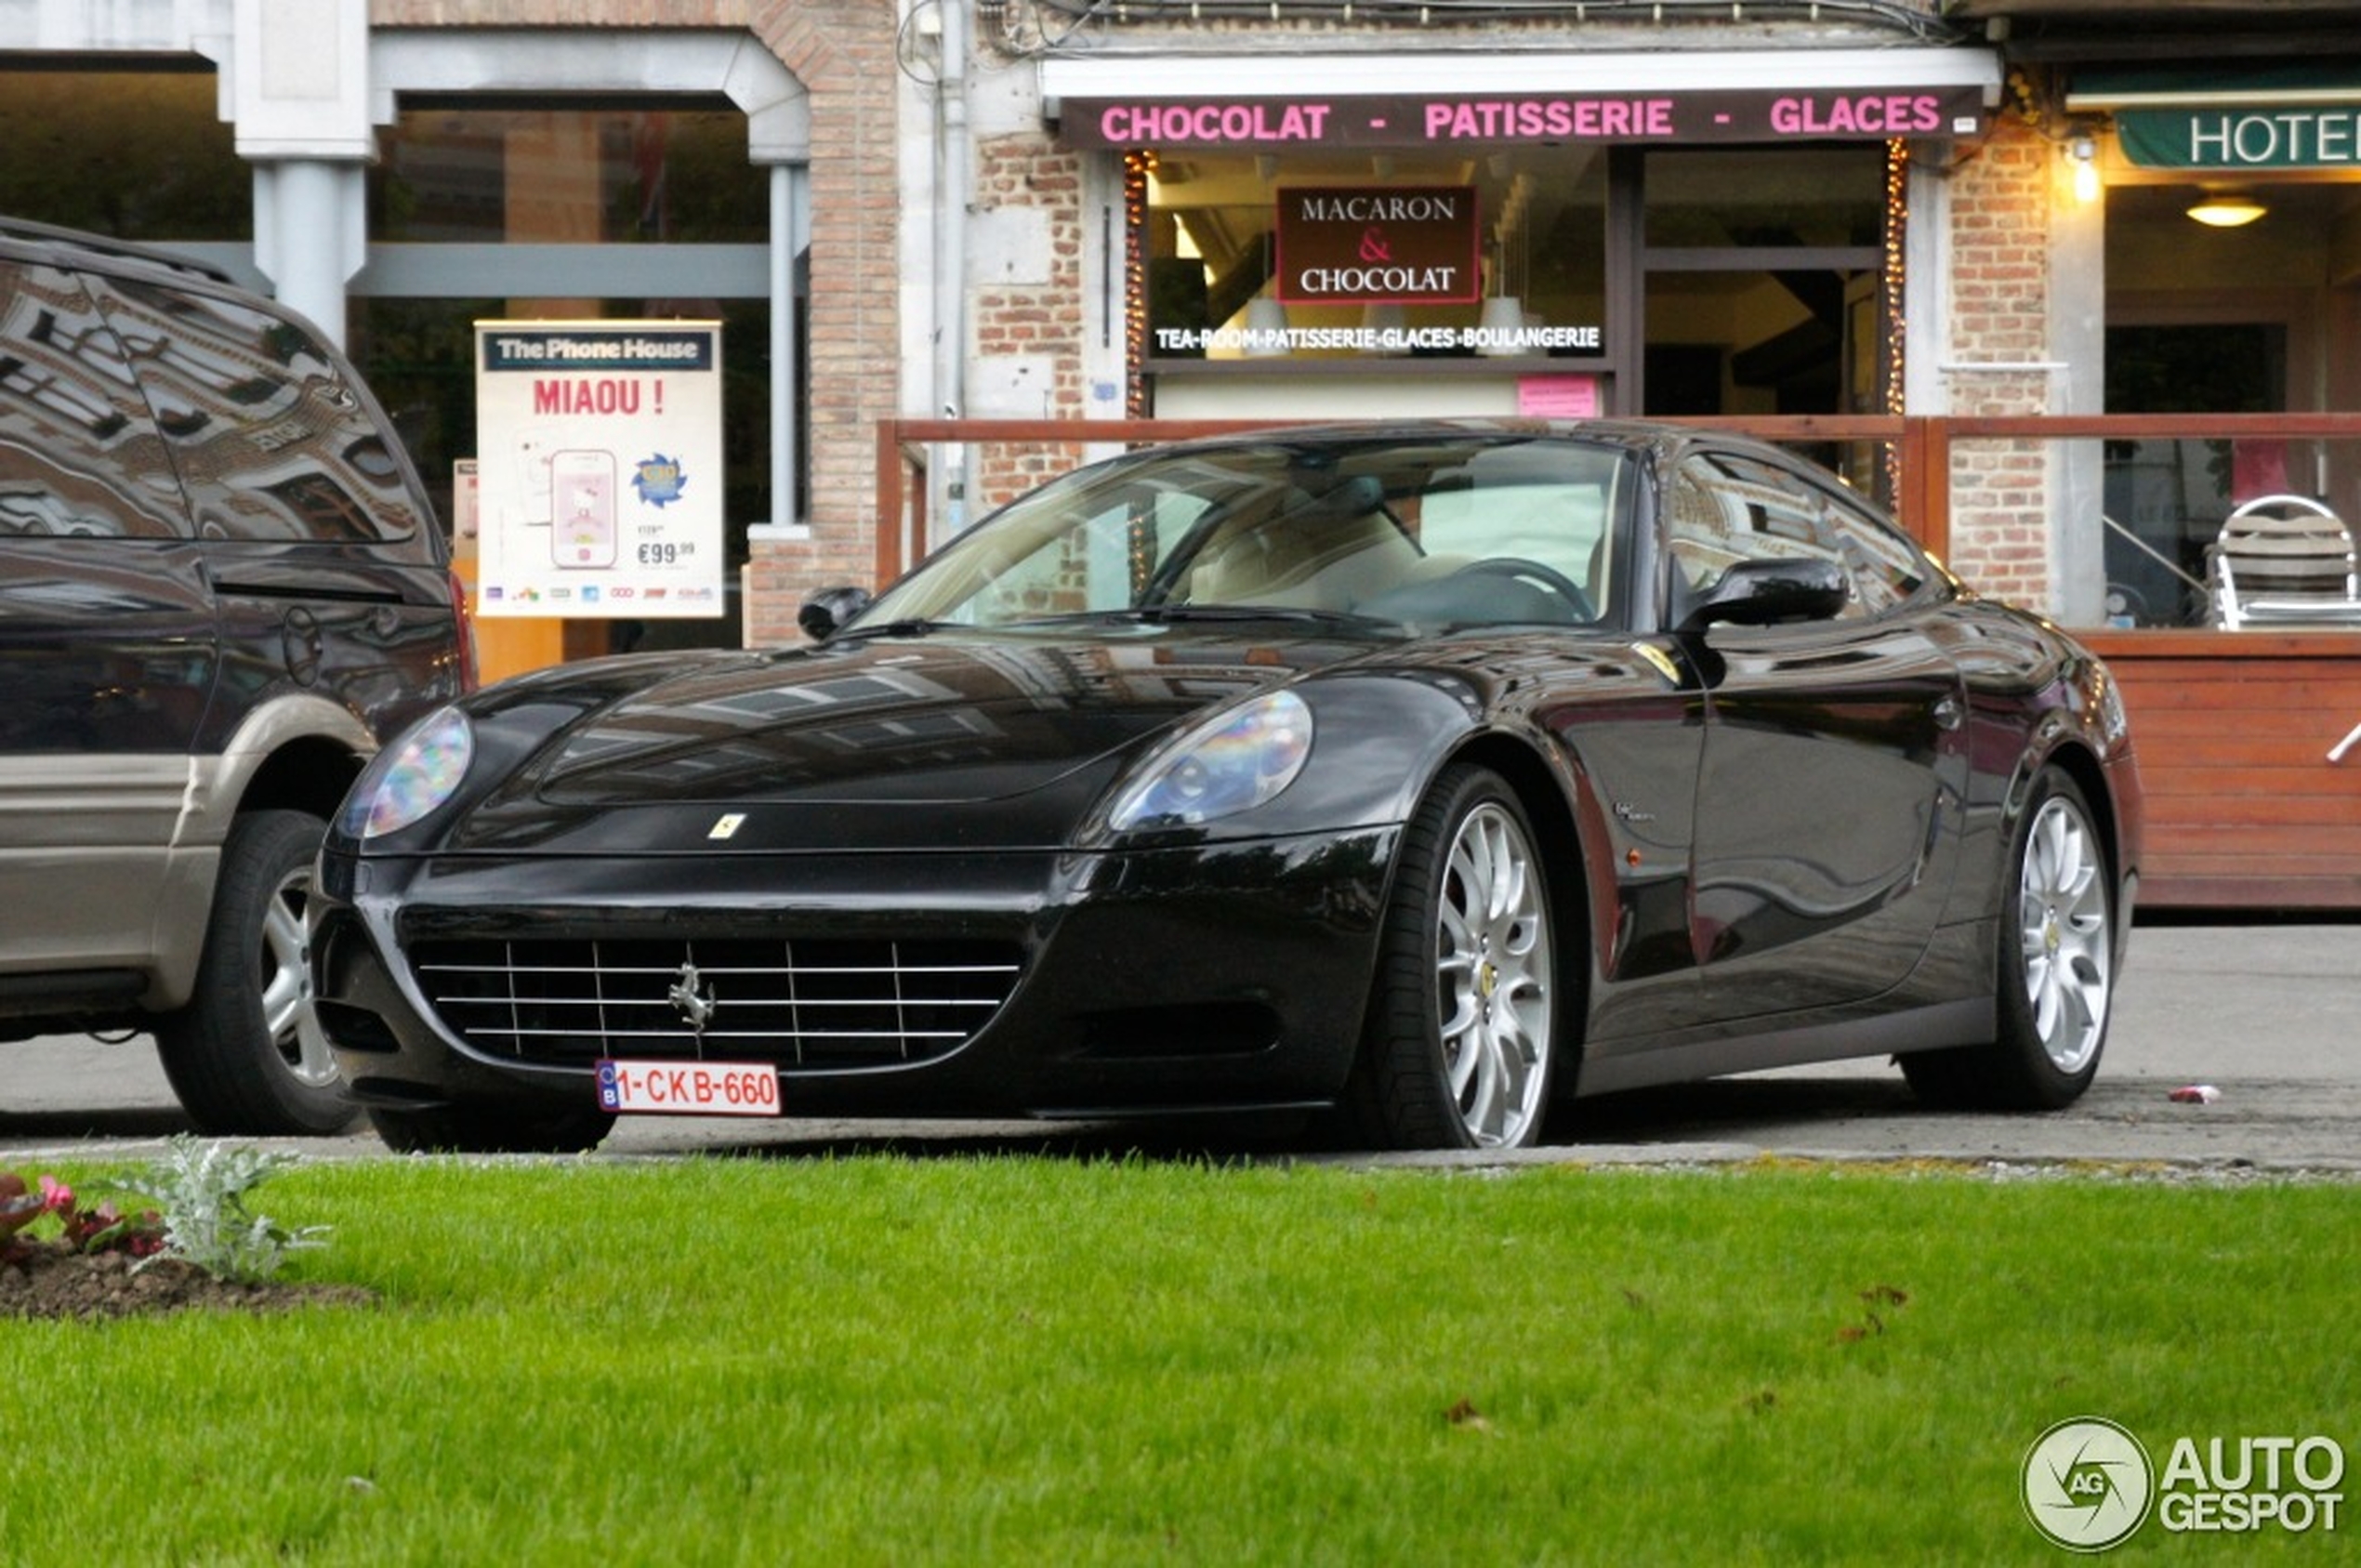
{"x": 285, "y": 978}
{"x": 1492, "y": 972}
{"x": 2066, "y": 936}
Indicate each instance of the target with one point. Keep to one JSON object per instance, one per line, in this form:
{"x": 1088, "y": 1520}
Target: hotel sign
{"x": 1379, "y": 245}
{"x": 2272, "y": 137}
{"x": 1538, "y": 119}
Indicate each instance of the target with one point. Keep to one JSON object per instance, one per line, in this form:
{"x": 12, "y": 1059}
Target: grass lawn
{"x": 1046, "y": 1361}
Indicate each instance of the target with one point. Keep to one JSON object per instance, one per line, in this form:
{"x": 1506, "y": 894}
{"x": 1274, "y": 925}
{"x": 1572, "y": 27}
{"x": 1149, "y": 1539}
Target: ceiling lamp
{"x": 2228, "y": 210}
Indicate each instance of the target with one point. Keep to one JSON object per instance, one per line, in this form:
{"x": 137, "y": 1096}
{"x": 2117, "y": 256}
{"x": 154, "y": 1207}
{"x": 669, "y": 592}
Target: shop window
{"x": 674, "y": 176}
{"x": 419, "y": 355}
{"x": 1762, "y": 269}
{"x": 2166, "y": 498}
{"x": 1816, "y": 198}
{"x": 139, "y": 155}
{"x": 1530, "y": 277}
{"x": 466, "y": 172}
{"x": 2202, "y": 321}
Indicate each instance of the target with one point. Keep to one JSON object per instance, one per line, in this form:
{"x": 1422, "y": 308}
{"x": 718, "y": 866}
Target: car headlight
{"x": 1231, "y": 763}
{"x": 410, "y": 778}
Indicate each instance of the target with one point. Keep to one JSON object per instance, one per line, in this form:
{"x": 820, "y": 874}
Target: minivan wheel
{"x": 246, "y": 1055}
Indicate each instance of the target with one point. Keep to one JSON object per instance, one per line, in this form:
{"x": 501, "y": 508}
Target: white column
{"x": 298, "y": 90}
{"x": 2077, "y": 346}
{"x": 790, "y": 237}
{"x": 310, "y": 235}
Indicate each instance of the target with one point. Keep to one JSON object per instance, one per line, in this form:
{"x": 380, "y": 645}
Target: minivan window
{"x": 270, "y": 439}
{"x": 78, "y": 455}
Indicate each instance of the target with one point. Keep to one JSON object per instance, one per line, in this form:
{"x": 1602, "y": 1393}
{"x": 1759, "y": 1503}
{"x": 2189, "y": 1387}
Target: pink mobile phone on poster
{"x": 582, "y": 485}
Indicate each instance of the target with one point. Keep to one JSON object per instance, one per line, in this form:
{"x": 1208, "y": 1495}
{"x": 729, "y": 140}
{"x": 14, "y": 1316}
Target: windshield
{"x": 1473, "y": 530}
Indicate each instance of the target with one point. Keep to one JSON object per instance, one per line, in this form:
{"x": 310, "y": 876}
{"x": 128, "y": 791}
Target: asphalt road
{"x": 2268, "y": 1015}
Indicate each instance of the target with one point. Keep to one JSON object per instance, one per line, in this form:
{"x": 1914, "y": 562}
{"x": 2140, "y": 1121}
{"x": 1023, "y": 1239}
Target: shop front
{"x": 1942, "y": 234}
{"x": 1563, "y": 234}
{"x": 2232, "y": 208}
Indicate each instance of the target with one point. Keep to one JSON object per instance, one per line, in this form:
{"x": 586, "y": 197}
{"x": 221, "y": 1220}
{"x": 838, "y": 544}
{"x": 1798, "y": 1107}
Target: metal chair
{"x": 2285, "y": 562}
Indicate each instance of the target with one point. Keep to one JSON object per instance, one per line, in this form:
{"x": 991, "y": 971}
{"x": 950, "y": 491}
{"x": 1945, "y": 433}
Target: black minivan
{"x": 222, "y": 588}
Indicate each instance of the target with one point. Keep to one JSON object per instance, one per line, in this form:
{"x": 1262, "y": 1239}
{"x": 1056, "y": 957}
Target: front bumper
{"x": 966, "y": 984}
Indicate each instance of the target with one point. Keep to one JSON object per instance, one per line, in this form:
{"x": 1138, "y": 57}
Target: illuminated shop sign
{"x": 1379, "y": 245}
{"x": 2276, "y": 137}
{"x": 1265, "y": 125}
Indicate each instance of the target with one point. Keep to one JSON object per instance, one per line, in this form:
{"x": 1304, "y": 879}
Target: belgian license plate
{"x": 688, "y": 1089}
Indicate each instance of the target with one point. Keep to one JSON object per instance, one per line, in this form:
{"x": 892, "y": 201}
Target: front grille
{"x": 801, "y": 1002}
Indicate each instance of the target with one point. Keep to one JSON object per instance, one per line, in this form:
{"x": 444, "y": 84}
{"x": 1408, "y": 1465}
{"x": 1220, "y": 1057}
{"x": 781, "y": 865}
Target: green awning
{"x": 2221, "y": 86}
{"x": 2238, "y": 117}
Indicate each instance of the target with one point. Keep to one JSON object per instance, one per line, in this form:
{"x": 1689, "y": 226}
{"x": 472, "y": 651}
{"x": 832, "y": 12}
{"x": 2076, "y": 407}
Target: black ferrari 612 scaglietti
{"x": 1423, "y": 774}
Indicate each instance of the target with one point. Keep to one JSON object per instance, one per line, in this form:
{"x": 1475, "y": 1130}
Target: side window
{"x": 79, "y": 456}
{"x": 1726, "y": 508}
{"x": 269, "y": 440}
{"x": 1887, "y": 567}
{"x": 1551, "y": 504}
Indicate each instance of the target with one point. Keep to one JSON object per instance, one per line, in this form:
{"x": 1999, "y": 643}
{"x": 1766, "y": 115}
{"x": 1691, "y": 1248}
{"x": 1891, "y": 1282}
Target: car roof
{"x": 57, "y": 243}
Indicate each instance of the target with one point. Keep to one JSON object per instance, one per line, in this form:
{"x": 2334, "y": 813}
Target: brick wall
{"x": 1999, "y": 314}
{"x": 1035, "y": 317}
{"x": 842, "y": 51}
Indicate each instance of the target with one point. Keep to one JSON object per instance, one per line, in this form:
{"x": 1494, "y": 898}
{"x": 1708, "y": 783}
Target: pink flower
{"x": 56, "y": 1196}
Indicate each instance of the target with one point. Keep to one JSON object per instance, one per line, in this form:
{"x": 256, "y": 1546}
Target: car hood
{"x": 943, "y": 739}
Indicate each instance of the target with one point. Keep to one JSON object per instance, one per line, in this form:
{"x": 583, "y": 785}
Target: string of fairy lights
{"x": 1897, "y": 262}
{"x": 1138, "y": 164}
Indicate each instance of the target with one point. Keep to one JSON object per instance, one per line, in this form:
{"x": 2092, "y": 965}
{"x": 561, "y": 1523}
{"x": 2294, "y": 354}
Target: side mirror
{"x": 825, "y": 610}
{"x": 1764, "y": 593}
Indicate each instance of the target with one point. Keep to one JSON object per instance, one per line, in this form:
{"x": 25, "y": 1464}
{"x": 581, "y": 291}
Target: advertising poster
{"x": 599, "y": 468}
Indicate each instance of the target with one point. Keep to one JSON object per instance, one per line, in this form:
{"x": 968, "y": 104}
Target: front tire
{"x": 1457, "y": 1051}
{"x": 2056, "y": 968}
{"x": 246, "y": 1055}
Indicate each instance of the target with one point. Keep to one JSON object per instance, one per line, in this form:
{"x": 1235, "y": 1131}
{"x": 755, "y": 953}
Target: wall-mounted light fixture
{"x": 2083, "y": 154}
{"x": 2227, "y": 209}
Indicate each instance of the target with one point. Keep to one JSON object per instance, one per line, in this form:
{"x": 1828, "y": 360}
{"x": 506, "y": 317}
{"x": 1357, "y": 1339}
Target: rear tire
{"x": 246, "y": 1055}
{"x": 2056, "y": 968}
{"x": 1457, "y": 1050}
{"x": 482, "y": 1129}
